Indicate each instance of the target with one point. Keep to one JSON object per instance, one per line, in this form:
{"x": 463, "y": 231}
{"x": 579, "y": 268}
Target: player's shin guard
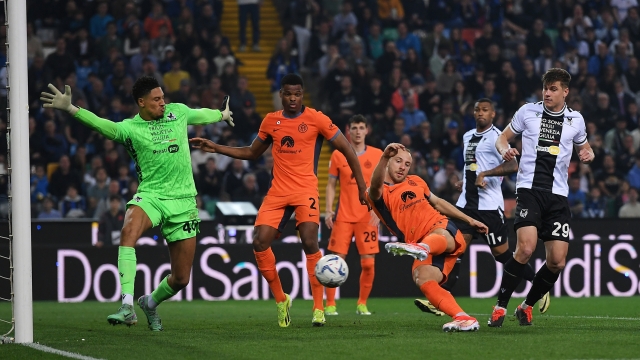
{"x": 441, "y": 298}
{"x": 316, "y": 288}
{"x": 453, "y": 276}
{"x": 511, "y": 277}
{"x": 161, "y": 293}
{"x": 366, "y": 279}
{"x": 528, "y": 273}
{"x": 437, "y": 243}
{"x": 542, "y": 283}
{"x": 127, "y": 270}
{"x": 267, "y": 266}
{"x": 331, "y": 296}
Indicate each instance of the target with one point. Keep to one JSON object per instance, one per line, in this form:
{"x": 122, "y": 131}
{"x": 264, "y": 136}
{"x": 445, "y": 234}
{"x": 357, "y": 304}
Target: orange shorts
{"x": 444, "y": 261}
{"x": 275, "y": 211}
{"x": 366, "y": 237}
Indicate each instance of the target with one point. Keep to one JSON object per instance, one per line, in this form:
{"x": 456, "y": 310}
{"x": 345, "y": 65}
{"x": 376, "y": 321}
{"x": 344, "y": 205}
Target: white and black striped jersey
{"x": 480, "y": 154}
{"x": 547, "y": 144}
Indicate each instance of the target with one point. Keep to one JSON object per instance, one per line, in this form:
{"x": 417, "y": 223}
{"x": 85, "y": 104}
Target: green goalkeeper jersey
{"x": 159, "y": 148}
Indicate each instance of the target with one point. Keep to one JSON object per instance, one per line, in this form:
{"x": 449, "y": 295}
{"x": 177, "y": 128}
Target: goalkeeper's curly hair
{"x": 143, "y": 86}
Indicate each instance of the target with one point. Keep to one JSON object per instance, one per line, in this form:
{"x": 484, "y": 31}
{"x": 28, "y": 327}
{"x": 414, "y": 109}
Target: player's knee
{"x": 556, "y": 265}
{"x": 523, "y": 253}
{"x": 259, "y": 243}
{"x": 129, "y": 235}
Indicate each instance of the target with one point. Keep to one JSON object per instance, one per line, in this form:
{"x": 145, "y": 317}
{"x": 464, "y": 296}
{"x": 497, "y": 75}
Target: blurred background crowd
{"x": 413, "y": 67}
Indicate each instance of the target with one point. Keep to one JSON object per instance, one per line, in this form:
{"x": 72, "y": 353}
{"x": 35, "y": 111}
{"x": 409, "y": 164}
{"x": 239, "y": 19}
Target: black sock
{"x": 452, "y": 279}
{"x": 528, "y": 273}
{"x": 511, "y": 277}
{"x": 542, "y": 283}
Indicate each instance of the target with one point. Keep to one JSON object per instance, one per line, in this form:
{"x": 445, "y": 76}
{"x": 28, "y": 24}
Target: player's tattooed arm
{"x": 346, "y": 149}
{"x": 448, "y": 210}
{"x": 502, "y": 144}
{"x": 506, "y": 168}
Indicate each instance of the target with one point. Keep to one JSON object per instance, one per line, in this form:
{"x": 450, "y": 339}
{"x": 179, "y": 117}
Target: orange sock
{"x": 267, "y": 266}
{"x": 441, "y": 298}
{"x": 366, "y": 279}
{"x": 437, "y": 244}
{"x": 317, "y": 290}
{"x": 331, "y": 296}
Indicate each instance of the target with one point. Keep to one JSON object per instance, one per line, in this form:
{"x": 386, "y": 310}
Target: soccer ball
{"x": 332, "y": 271}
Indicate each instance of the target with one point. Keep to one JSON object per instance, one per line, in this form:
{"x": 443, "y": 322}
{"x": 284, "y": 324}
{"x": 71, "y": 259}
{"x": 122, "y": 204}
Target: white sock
{"x": 524, "y": 306}
{"x": 151, "y": 303}
{"x": 127, "y": 299}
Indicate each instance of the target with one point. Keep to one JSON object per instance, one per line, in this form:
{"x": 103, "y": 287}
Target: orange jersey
{"x": 405, "y": 210}
{"x": 349, "y": 208}
{"x": 296, "y": 148}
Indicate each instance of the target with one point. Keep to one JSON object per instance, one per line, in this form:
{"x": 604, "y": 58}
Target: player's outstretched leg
{"x": 417, "y": 251}
{"x": 366, "y": 283}
{"x": 444, "y": 301}
{"x": 148, "y": 306}
{"x": 127, "y": 269}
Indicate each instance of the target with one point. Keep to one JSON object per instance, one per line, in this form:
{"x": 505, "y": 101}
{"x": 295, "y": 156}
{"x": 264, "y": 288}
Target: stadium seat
{"x": 51, "y": 168}
{"x": 470, "y": 35}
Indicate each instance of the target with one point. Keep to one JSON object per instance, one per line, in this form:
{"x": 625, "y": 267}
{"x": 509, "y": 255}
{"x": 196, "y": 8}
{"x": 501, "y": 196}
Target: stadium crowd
{"x": 413, "y": 67}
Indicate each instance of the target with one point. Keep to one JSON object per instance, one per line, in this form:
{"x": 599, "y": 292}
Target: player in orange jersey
{"x": 418, "y": 218}
{"x": 296, "y": 134}
{"x": 351, "y": 218}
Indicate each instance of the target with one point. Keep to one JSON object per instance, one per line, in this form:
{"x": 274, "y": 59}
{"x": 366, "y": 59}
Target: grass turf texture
{"x": 397, "y": 329}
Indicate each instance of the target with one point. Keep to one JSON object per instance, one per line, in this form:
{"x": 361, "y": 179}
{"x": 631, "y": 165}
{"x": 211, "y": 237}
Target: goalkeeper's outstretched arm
{"x": 62, "y": 101}
{"x": 207, "y": 116}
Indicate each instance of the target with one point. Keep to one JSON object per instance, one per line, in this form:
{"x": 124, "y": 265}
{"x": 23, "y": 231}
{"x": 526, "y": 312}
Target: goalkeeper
{"x": 156, "y": 139}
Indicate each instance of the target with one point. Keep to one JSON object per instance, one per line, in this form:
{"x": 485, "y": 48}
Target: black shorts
{"x": 548, "y": 212}
{"x": 494, "y": 219}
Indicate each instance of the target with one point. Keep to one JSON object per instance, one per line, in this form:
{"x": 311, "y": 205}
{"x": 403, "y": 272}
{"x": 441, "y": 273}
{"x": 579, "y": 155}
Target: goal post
{"x": 19, "y": 168}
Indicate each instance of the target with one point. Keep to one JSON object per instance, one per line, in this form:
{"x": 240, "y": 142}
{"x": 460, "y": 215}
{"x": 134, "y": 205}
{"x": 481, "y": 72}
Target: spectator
{"x": 634, "y": 174}
{"x": 248, "y": 191}
{"x": 588, "y": 46}
{"x": 576, "y": 197}
{"x": 350, "y": 39}
{"x": 488, "y": 38}
{"x": 62, "y": 177}
{"x": 100, "y": 189}
{"x": 622, "y": 99}
{"x": 404, "y": 94}
{"x": 60, "y": 63}
{"x": 413, "y": 117}
{"x": 377, "y": 99}
{"x": 249, "y": 8}
{"x": 397, "y": 132}
{"x": 104, "y": 203}
{"x": 407, "y": 40}
{"x": 109, "y": 40}
{"x": 448, "y": 77}
{"x": 451, "y": 143}
{"x": 163, "y": 47}
{"x": 632, "y": 24}
{"x": 344, "y": 18}
{"x": 281, "y": 64}
{"x": 595, "y": 205}
{"x": 156, "y": 21}
{"x": 390, "y": 12}
{"x": 73, "y": 205}
{"x": 232, "y": 179}
{"x": 345, "y": 103}
{"x": 39, "y": 184}
{"x": 223, "y": 58}
{"x": 579, "y": 22}
{"x": 613, "y": 139}
{"x": 210, "y": 181}
{"x": 545, "y": 61}
{"x": 132, "y": 40}
{"x": 48, "y": 212}
{"x": 248, "y": 122}
{"x": 375, "y": 42}
{"x": 609, "y": 179}
{"x": 632, "y": 208}
{"x": 599, "y": 61}
{"x": 173, "y": 78}
{"x": 111, "y": 222}
{"x": 264, "y": 175}
{"x": 208, "y": 21}
{"x": 100, "y": 20}
{"x": 137, "y": 61}
{"x": 34, "y": 44}
{"x": 54, "y": 144}
{"x": 319, "y": 43}
{"x": 202, "y": 213}
{"x": 437, "y": 61}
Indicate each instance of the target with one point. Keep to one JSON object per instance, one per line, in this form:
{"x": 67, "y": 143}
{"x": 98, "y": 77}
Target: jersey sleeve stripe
{"x": 336, "y": 135}
{"x": 582, "y": 142}
{"x": 513, "y": 129}
{"x": 316, "y": 153}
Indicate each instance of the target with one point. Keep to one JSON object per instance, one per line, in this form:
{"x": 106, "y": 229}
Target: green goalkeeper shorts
{"x": 179, "y": 217}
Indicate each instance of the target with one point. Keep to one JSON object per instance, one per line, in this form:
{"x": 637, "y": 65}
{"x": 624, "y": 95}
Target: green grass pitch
{"x": 603, "y": 327}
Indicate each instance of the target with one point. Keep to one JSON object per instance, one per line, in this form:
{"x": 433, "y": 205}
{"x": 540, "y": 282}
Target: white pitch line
{"x": 51, "y": 350}
{"x": 580, "y": 317}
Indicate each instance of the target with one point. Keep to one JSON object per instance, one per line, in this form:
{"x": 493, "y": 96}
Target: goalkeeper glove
{"x": 58, "y": 100}
{"x": 226, "y": 113}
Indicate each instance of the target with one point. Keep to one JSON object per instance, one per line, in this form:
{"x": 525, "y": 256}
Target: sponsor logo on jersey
{"x": 287, "y": 141}
{"x": 303, "y": 128}
{"x": 137, "y": 199}
{"x": 171, "y": 116}
{"x": 471, "y": 167}
{"x": 553, "y": 150}
{"x": 173, "y": 148}
{"x": 408, "y": 195}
